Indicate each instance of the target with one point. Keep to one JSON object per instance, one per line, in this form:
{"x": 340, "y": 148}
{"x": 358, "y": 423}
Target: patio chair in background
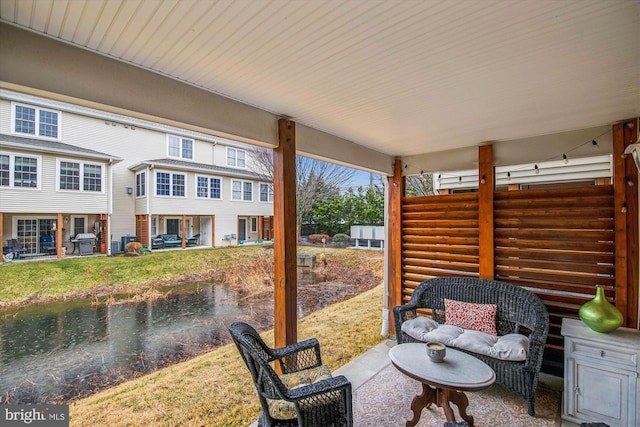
{"x": 13, "y": 250}
{"x": 194, "y": 241}
{"x": 305, "y": 394}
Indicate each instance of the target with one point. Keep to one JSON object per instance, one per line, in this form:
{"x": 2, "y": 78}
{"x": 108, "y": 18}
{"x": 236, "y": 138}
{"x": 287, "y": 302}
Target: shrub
{"x": 317, "y": 238}
{"x": 341, "y": 239}
{"x": 134, "y": 248}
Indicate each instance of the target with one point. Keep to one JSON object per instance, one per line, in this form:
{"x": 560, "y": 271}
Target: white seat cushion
{"x": 512, "y": 347}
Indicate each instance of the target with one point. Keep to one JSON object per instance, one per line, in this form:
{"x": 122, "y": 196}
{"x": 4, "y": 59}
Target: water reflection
{"x": 63, "y": 351}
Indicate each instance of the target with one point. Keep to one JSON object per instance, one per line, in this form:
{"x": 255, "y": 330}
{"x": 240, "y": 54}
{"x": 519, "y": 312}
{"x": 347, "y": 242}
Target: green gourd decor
{"x": 599, "y": 314}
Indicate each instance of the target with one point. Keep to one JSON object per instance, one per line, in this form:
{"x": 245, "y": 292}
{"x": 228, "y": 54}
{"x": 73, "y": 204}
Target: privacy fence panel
{"x": 559, "y": 243}
{"x": 439, "y": 238}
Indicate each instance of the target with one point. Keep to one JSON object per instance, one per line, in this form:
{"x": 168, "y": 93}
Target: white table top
{"x": 459, "y": 371}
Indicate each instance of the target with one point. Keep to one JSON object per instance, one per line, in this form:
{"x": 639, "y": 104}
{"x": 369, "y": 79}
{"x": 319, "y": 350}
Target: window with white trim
{"x": 179, "y": 147}
{"x": 241, "y": 190}
{"x": 4, "y": 170}
{"x": 141, "y": 184}
{"x": 208, "y": 187}
{"x": 266, "y": 192}
{"x": 170, "y": 184}
{"x": 35, "y": 121}
{"x": 236, "y": 157}
{"x": 19, "y": 171}
{"x": 79, "y": 176}
{"x": 254, "y": 224}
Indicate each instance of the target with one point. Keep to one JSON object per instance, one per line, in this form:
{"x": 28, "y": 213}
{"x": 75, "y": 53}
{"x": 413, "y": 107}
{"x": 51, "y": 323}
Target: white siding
{"x": 47, "y": 198}
{"x": 135, "y": 145}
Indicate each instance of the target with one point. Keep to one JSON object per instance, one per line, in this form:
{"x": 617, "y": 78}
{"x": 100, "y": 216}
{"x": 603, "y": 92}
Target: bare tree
{"x": 316, "y": 180}
{"x": 420, "y": 185}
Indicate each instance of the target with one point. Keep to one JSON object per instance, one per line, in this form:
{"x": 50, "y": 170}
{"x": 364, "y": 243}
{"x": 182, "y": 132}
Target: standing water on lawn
{"x": 63, "y": 351}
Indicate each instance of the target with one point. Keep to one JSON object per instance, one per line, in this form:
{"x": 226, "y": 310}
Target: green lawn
{"x": 42, "y": 280}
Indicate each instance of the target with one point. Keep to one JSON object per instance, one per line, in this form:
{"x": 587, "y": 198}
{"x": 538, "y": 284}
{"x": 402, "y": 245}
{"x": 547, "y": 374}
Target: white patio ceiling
{"x": 403, "y": 78}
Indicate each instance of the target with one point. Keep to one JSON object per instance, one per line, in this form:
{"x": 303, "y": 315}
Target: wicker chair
{"x": 518, "y": 311}
{"x": 326, "y": 402}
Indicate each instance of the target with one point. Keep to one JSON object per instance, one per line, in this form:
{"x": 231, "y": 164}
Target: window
{"x": 178, "y": 181}
{"x": 4, "y": 170}
{"x": 208, "y": 187}
{"x": 266, "y": 192}
{"x": 36, "y": 121}
{"x": 25, "y": 172}
{"x": 242, "y": 190}
{"x": 77, "y": 176}
{"x": 179, "y": 147}
{"x": 78, "y": 225}
{"x": 93, "y": 178}
{"x": 69, "y": 176}
{"x": 141, "y": 184}
{"x": 254, "y": 224}
{"x": 235, "y": 157}
{"x": 19, "y": 171}
{"x": 170, "y": 184}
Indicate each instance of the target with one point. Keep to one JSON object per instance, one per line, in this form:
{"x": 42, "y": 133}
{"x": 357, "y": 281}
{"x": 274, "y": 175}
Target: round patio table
{"x": 442, "y": 383}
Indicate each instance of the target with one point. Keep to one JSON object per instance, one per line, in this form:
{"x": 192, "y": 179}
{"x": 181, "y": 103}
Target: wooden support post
{"x": 394, "y": 240}
{"x": 59, "y": 236}
{"x": 486, "y": 187}
{"x": 630, "y": 136}
{"x": 633, "y": 274}
{"x": 285, "y": 245}
{"x": 1, "y": 236}
{"x": 184, "y": 231}
{"x": 213, "y": 231}
{"x": 620, "y": 220}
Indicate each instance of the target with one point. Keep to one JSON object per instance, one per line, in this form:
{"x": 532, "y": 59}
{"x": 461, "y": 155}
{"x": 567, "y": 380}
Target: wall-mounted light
{"x": 66, "y": 219}
{"x": 129, "y": 190}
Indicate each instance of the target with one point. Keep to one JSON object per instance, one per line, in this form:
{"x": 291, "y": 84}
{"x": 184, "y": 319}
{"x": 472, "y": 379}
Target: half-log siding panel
{"x": 439, "y": 238}
{"x": 559, "y": 243}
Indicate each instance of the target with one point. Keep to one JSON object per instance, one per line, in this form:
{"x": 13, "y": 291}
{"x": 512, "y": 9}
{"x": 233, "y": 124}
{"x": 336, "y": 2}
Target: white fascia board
{"x": 320, "y": 145}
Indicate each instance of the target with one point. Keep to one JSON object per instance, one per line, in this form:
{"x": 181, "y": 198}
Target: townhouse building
{"x": 70, "y": 173}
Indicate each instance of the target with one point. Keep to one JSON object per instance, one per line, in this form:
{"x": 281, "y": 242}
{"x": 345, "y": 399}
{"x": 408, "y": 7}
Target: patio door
{"x": 27, "y": 233}
{"x": 33, "y": 232}
{"x": 173, "y": 226}
{"x": 242, "y": 229}
{"x": 47, "y": 234}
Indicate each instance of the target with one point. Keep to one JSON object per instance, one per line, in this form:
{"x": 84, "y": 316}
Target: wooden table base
{"x": 441, "y": 397}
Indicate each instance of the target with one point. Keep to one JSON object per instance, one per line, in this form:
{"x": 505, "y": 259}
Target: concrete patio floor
{"x": 365, "y": 366}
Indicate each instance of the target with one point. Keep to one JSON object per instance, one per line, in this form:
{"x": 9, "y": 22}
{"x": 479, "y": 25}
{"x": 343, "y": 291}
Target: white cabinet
{"x": 601, "y": 372}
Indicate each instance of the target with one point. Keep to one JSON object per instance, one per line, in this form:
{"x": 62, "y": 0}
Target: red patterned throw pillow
{"x": 466, "y": 315}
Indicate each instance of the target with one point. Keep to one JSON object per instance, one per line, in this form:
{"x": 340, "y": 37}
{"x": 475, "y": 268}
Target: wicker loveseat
{"x": 518, "y": 311}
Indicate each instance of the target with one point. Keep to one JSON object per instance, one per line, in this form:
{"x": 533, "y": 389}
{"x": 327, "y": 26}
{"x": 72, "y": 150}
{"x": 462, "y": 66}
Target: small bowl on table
{"x": 436, "y": 352}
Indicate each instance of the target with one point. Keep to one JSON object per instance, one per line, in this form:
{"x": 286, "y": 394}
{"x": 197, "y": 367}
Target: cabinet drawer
{"x": 618, "y": 355}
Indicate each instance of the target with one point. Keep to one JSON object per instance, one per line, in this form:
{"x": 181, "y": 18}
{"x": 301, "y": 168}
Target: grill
{"x": 85, "y": 242}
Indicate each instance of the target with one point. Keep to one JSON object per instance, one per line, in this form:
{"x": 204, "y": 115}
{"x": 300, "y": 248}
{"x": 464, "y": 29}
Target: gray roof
{"x": 45, "y": 146}
{"x": 200, "y": 167}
